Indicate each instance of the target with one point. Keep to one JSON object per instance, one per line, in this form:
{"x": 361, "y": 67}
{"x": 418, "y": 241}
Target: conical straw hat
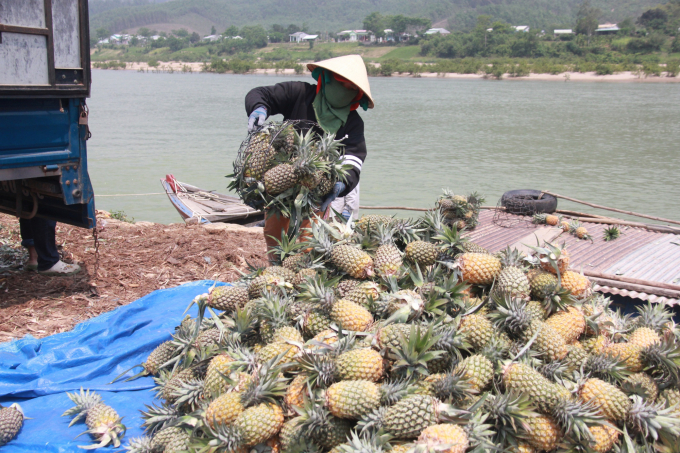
{"x": 352, "y": 68}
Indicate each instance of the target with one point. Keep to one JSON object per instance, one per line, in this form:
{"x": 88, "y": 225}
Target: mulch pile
{"x": 134, "y": 259}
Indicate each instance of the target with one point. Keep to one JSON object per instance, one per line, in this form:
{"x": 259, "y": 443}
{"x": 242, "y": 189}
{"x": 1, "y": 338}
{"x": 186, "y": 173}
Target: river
{"x": 615, "y": 144}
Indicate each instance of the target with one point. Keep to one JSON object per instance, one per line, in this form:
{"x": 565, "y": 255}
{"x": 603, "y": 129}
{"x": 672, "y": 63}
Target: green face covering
{"x": 332, "y": 104}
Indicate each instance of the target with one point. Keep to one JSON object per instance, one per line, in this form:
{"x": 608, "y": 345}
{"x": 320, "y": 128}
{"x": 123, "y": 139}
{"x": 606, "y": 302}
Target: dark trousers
{"x": 40, "y": 233}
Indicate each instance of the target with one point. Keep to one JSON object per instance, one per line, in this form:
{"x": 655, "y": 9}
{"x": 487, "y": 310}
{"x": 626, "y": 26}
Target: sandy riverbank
{"x": 134, "y": 260}
{"x": 626, "y": 76}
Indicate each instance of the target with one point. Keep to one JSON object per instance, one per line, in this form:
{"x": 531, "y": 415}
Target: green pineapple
{"x": 512, "y": 280}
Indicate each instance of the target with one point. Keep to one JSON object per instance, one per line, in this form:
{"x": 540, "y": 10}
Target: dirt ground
{"x": 134, "y": 259}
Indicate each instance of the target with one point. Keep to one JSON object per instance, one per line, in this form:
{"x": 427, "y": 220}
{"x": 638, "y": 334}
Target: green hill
{"x": 336, "y": 15}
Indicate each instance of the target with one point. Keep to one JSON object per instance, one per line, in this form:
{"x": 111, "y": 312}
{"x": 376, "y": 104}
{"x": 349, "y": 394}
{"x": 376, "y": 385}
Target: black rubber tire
{"x": 526, "y": 202}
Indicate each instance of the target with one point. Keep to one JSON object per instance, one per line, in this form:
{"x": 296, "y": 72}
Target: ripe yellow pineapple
{"x": 628, "y": 353}
{"x": 479, "y": 268}
{"x": 215, "y": 384}
{"x": 422, "y": 253}
{"x": 611, "y": 402}
{"x": 643, "y": 337}
{"x": 452, "y": 437}
{"x": 360, "y": 364}
{"x": 355, "y": 262}
{"x": 295, "y": 394}
{"x": 477, "y": 330}
{"x": 570, "y": 323}
{"x": 350, "y": 316}
{"x": 543, "y": 432}
{"x": 604, "y": 437}
{"x": 224, "y": 409}
{"x": 259, "y": 423}
{"x": 577, "y": 283}
{"x": 477, "y": 370}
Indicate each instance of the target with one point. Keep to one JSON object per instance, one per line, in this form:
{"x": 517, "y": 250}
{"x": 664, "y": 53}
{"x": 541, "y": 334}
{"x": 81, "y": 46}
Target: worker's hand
{"x": 337, "y": 188}
{"x": 259, "y": 115}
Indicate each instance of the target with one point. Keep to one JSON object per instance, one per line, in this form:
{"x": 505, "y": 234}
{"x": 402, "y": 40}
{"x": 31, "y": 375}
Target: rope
{"x": 132, "y": 194}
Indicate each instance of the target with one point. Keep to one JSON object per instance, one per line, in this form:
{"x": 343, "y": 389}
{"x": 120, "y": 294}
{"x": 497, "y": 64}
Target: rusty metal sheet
{"x": 637, "y": 253}
{"x": 636, "y": 295}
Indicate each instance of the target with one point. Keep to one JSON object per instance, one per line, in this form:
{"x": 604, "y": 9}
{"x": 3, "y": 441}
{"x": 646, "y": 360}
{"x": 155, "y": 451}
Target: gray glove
{"x": 259, "y": 115}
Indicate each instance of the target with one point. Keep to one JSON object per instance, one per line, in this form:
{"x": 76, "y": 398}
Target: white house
{"x": 356, "y": 36}
{"x": 441, "y": 31}
{"x": 607, "y": 28}
{"x": 563, "y": 31}
{"x": 212, "y": 38}
{"x": 522, "y": 28}
{"x": 301, "y": 36}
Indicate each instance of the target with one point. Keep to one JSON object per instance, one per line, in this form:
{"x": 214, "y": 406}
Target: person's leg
{"x": 274, "y": 226}
{"x": 45, "y": 242}
{"x": 28, "y": 242}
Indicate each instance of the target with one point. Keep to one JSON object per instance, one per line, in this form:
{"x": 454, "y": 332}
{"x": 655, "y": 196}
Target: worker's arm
{"x": 355, "y": 150}
{"x": 281, "y": 98}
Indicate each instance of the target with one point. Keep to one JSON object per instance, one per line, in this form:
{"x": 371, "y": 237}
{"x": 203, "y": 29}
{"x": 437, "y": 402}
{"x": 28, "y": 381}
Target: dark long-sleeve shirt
{"x": 294, "y": 101}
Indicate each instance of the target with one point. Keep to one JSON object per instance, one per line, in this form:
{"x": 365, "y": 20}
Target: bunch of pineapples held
{"x": 288, "y": 168}
{"x": 401, "y": 335}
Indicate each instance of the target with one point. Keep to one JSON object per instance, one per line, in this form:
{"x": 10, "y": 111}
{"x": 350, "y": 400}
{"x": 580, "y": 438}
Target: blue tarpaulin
{"x": 37, "y": 373}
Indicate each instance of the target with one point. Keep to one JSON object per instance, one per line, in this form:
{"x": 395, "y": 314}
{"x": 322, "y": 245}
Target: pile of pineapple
{"x": 287, "y": 171}
{"x": 399, "y": 335}
{"x": 461, "y": 211}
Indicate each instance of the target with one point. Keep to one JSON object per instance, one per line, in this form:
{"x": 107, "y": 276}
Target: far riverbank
{"x": 624, "y": 76}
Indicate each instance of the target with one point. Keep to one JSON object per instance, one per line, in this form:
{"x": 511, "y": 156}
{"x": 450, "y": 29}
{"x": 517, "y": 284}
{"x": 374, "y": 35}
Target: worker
{"x": 341, "y": 88}
{"x": 348, "y": 206}
{"x": 38, "y": 235}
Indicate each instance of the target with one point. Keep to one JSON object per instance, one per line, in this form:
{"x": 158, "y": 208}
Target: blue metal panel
{"x": 42, "y": 137}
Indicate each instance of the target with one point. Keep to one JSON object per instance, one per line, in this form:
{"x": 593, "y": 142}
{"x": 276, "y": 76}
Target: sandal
{"x": 61, "y": 269}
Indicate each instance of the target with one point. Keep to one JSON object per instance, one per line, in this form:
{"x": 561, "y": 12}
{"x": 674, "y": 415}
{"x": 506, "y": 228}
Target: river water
{"x": 615, "y": 144}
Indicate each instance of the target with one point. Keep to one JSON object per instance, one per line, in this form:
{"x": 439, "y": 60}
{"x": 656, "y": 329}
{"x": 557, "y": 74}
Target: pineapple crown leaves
{"x": 453, "y": 387}
{"x": 314, "y": 418}
{"x": 364, "y": 444}
{"x": 480, "y": 434}
{"x": 511, "y": 314}
{"x": 320, "y": 290}
{"x": 286, "y": 246}
{"x": 611, "y": 233}
{"x": 606, "y": 367}
{"x": 450, "y": 339}
{"x": 450, "y": 240}
{"x": 496, "y": 350}
{"x": 652, "y": 420}
{"x": 189, "y": 394}
{"x": 555, "y": 371}
{"x": 662, "y": 361}
{"x": 273, "y": 308}
{"x": 507, "y": 411}
{"x": 575, "y": 417}
{"x": 654, "y": 316}
{"x": 320, "y": 368}
{"x": 84, "y": 401}
{"x": 140, "y": 444}
{"x": 158, "y": 417}
{"x": 223, "y": 437}
{"x": 405, "y": 230}
{"x": 414, "y": 352}
{"x": 106, "y": 434}
{"x": 511, "y": 257}
{"x": 268, "y": 383}
{"x": 372, "y": 422}
{"x": 549, "y": 254}
{"x": 394, "y": 390}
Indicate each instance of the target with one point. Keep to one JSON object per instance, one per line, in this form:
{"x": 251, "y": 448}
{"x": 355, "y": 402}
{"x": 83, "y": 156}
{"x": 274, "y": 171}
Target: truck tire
{"x": 527, "y": 202}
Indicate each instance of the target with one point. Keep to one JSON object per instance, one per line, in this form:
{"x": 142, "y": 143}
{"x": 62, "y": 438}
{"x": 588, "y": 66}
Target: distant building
{"x": 356, "y": 36}
{"x": 389, "y": 34}
{"x": 563, "y": 31}
{"x": 607, "y": 29}
{"x": 301, "y": 36}
{"x": 434, "y": 31}
{"x": 522, "y": 28}
{"x": 212, "y": 38}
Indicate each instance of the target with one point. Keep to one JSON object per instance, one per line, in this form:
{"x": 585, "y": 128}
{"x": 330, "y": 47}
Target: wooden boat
{"x": 197, "y": 205}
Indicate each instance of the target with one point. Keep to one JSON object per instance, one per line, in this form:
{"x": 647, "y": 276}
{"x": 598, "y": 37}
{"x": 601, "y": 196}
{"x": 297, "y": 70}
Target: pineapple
{"x": 372, "y": 221}
{"x": 228, "y": 298}
{"x": 102, "y": 421}
{"x": 159, "y": 356}
{"x": 453, "y": 437}
{"x": 477, "y": 370}
{"x": 11, "y": 421}
{"x": 352, "y": 399}
{"x": 361, "y": 294}
{"x": 224, "y": 409}
{"x": 549, "y": 341}
{"x": 214, "y": 383}
{"x": 477, "y": 330}
{"x": 479, "y": 268}
{"x": 512, "y": 280}
{"x": 564, "y": 226}
{"x": 629, "y": 353}
{"x": 315, "y": 322}
{"x": 641, "y": 384}
{"x": 346, "y": 285}
{"x": 543, "y": 432}
{"x": 578, "y": 284}
{"x": 295, "y": 394}
{"x": 643, "y": 337}
{"x": 280, "y": 178}
{"x": 670, "y": 397}
{"x": 604, "y": 438}
{"x": 422, "y": 253}
{"x": 260, "y": 156}
{"x": 523, "y": 378}
{"x": 579, "y": 230}
{"x": 350, "y": 316}
{"x": 611, "y": 402}
{"x": 171, "y": 439}
{"x": 356, "y": 263}
{"x": 553, "y": 258}
{"x": 360, "y": 364}
{"x": 570, "y": 324}
{"x": 387, "y": 259}
{"x": 259, "y": 423}
{"x": 542, "y": 283}
{"x": 390, "y": 335}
